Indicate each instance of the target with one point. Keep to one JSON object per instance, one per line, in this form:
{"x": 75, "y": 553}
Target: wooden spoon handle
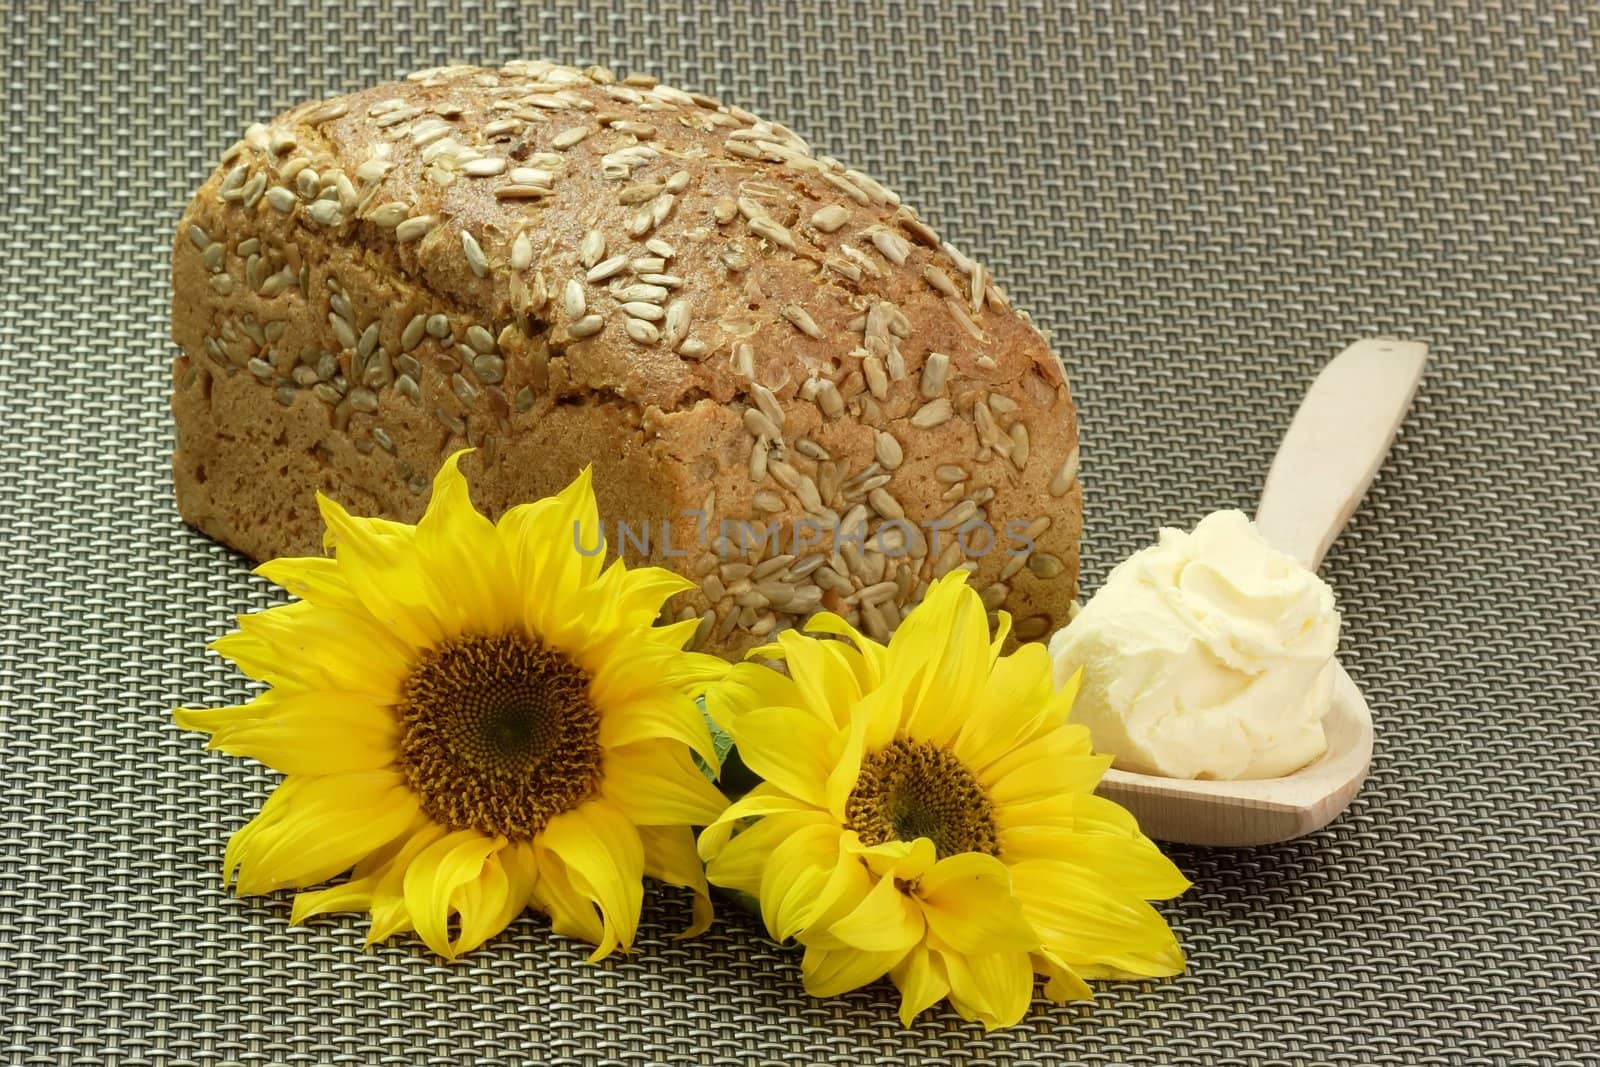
{"x": 1336, "y": 444}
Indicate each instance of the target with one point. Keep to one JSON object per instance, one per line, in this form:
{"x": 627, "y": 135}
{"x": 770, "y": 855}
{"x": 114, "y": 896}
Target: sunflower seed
{"x": 569, "y": 137}
{"x": 627, "y": 293}
{"x": 521, "y": 252}
{"x": 830, "y": 218}
{"x": 522, "y": 192}
{"x": 368, "y": 342}
{"x": 416, "y": 228}
{"x": 801, "y": 319}
{"x": 641, "y": 331}
{"x": 934, "y": 373}
{"x": 893, "y": 247}
{"x": 694, "y": 348}
{"x": 281, "y": 199}
{"x": 768, "y": 403}
{"x": 786, "y": 475}
{"x": 640, "y": 309}
{"x": 1019, "y": 445}
{"x": 412, "y": 335}
{"x": 253, "y": 191}
{"x": 995, "y": 595}
{"x": 639, "y": 193}
{"x": 364, "y": 400}
{"x": 606, "y": 269}
{"x": 480, "y": 339}
{"x": 1044, "y": 565}
{"x": 1015, "y": 564}
{"x": 940, "y": 281}
{"x": 1065, "y": 475}
{"x": 390, "y": 215}
{"x": 933, "y": 413}
{"x": 885, "y": 505}
{"x": 487, "y": 167}
{"x": 647, "y": 265}
{"x": 767, "y": 568}
{"x": 807, "y": 447}
{"x": 887, "y": 450}
{"x": 587, "y": 326}
{"x": 572, "y": 299}
{"x": 678, "y": 316}
{"x": 592, "y": 250}
{"x": 341, "y": 330}
{"x": 474, "y": 253}
{"x": 764, "y": 227}
{"x": 761, "y": 427}
{"x": 959, "y": 313}
{"x": 828, "y": 399}
{"x": 1032, "y": 628}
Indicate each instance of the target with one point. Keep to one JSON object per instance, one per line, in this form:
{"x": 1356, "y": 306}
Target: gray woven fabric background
{"x": 1201, "y": 206}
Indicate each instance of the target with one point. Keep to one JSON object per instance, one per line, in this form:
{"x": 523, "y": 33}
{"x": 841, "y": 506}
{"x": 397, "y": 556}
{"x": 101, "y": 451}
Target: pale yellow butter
{"x": 1207, "y": 655}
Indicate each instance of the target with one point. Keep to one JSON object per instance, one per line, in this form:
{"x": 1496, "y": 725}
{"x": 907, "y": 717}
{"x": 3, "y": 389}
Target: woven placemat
{"x": 1201, "y": 207}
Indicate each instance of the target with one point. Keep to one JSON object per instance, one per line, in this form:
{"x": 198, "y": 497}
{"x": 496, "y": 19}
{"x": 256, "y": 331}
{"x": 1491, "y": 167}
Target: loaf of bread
{"x": 790, "y": 388}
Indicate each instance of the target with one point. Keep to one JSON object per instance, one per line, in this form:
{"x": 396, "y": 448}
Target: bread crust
{"x": 561, "y": 270}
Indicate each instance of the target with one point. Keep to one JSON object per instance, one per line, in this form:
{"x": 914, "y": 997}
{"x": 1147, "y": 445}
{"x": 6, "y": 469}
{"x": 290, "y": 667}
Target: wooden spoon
{"x": 1333, "y": 448}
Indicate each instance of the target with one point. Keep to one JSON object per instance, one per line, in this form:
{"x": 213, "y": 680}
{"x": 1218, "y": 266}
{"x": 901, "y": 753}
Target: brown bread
{"x": 562, "y": 269}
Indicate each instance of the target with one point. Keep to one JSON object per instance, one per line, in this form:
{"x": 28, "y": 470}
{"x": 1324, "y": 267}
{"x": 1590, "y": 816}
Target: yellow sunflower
{"x": 473, "y": 718}
{"x": 928, "y": 814}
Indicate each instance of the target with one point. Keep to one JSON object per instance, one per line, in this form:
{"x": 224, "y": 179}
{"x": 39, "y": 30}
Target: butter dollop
{"x": 1206, "y": 655}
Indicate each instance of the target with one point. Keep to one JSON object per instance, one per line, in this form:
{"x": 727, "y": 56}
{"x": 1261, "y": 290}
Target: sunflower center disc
{"x": 499, "y": 734}
{"x": 915, "y": 789}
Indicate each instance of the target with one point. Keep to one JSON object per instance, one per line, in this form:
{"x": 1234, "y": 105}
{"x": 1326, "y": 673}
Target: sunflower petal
{"x": 886, "y": 920}
{"x": 868, "y": 660}
{"x": 378, "y": 560}
{"x": 605, "y": 858}
{"x": 993, "y": 988}
{"x": 764, "y": 799}
{"x": 922, "y": 982}
{"x": 655, "y": 783}
{"x": 378, "y": 878}
{"x": 969, "y": 906}
{"x": 952, "y": 641}
{"x": 1097, "y": 930}
{"x": 832, "y": 972}
{"x": 739, "y": 863}
{"x": 1061, "y": 984}
{"x": 312, "y": 829}
{"x": 746, "y": 687}
{"x": 556, "y": 548}
{"x": 434, "y": 882}
{"x": 464, "y": 548}
{"x": 1069, "y": 742}
{"x": 489, "y": 904}
{"x": 905, "y": 860}
{"x": 792, "y": 751}
{"x": 669, "y": 856}
{"x": 663, "y": 715}
{"x": 572, "y": 912}
{"x": 303, "y": 733}
{"x": 1018, "y": 687}
{"x": 796, "y": 871}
